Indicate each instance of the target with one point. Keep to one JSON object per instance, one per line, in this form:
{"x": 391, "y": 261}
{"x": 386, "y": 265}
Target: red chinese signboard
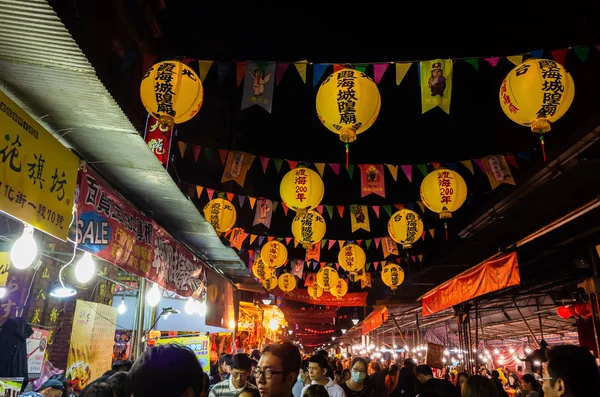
{"x": 374, "y": 320}
{"x": 350, "y": 299}
{"x": 158, "y": 138}
{"x": 487, "y": 277}
{"x": 322, "y": 316}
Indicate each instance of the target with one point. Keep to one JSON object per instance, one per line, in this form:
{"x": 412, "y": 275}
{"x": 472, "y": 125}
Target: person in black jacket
{"x": 13, "y": 348}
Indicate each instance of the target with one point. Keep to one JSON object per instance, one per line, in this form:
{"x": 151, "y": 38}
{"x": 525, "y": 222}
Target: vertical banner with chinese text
{"x": 436, "y": 84}
{"x": 158, "y": 138}
{"x": 258, "y": 85}
{"x": 497, "y": 171}
{"x": 236, "y": 167}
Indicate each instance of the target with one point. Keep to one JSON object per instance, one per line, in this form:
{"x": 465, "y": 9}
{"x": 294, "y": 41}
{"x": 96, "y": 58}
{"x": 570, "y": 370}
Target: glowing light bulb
{"x": 24, "y": 250}
{"x": 232, "y": 324}
{"x": 3, "y": 292}
{"x": 201, "y": 308}
{"x": 85, "y": 268}
{"x": 153, "y": 296}
{"x": 190, "y": 306}
{"x": 122, "y": 308}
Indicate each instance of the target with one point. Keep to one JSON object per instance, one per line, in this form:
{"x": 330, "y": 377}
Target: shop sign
{"x": 349, "y": 300}
{"x": 200, "y": 345}
{"x": 38, "y": 175}
{"x": 36, "y": 350}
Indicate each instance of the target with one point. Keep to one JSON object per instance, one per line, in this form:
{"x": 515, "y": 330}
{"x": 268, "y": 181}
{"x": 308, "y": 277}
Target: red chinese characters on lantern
{"x": 445, "y": 185}
{"x": 300, "y": 179}
{"x": 349, "y": 257}
{"x": 273, "y": 251}
{"x": 506, "y": 99}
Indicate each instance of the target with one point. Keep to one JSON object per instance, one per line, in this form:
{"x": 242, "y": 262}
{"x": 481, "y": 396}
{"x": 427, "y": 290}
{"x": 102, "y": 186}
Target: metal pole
{"x": 527, "y": 324}
{"x": 400, "y": 331}
{"x": 138, "y": 332}
{"x": 537, "y": 303}
{"x": 418, "y": 329}
{"x": 476, "y": 334}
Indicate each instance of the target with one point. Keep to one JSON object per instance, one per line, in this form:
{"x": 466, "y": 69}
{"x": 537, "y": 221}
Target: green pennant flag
{"x": 368, "y": 243}
{"x": 422, "y": 168}
{"x": 361, "y": 67}
{"x": 221, "y": 195}
{"x": 280, "y": 239}
{"x": 275, "y": 205}
{"x": 368, "y": 266}
{"x": 208, "y": 152}
{"x": 582, "y": 53}
{"x": 350, "y": 170}
{"x": 388, "y": 209}
{"x": 322, "y": 243}
{"x": 329, "y": 209}
{"x": 278, "y": 163}
{"x": 473, "y": 62}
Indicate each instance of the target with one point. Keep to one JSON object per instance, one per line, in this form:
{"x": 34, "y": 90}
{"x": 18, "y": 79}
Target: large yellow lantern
{"x": 308, "y": 228}
{"x": 261, "y": 271}
{"x": 443, "y": 191}
{"x": 405, "y": 227}
{"x": 221, "y": 214}
{"x": 315, "y": 291}
{"x": 286, "y": 282}
{"x": 339, "y": 289}
{"x": 352, "y": 258}
{"x": 172, "y": 92}
{"x": 274, "y": 254}
{"x": 270, "y": 283}
{"x": 392, "y": 275}
{"x": 301, "y": 189}
{"x": 327, "y": 277}
{"x": 536, "y": 93}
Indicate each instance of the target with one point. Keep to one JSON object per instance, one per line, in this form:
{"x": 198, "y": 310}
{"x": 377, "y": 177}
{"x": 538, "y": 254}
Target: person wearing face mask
{"x": 303, "y": 380}
{"x": 356, "y": 386}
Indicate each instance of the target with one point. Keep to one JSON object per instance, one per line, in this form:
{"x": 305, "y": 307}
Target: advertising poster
{"x": 36, "y": 350}
{"x": 200, "y": 345}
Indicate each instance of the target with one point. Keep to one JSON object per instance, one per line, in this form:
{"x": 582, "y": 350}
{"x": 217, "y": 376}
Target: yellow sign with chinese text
{"x": 38, "y": 175}
{"x": 4, "y": 266}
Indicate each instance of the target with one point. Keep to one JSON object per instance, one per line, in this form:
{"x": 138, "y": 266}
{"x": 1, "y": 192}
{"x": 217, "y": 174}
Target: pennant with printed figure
{"x": 264, "y": 212}
{"x": 359, "y": 215}
{"x": 365, "y": 282}
{"x": 258, "y": 86}
{"x": 297, "y": 267}
{"x": 372, "y": 179}
{"x": 237, "y": 167}
{"x": 389, "y": 247}
{"x": 436, "y": 84}
{"x": 497, "y": 171}
{"x": 313, "y": 252}
{"x": 236, "y": 238}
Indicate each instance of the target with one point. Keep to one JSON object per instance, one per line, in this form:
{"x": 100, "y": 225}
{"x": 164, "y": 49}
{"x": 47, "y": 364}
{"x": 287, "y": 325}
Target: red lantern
{"x": 572, "y": 310}
{"x": 564, "y": 312}
{"x": 583, "y": 309}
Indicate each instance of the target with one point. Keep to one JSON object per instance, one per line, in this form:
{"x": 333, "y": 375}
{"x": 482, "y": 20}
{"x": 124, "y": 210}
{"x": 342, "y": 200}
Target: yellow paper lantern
{"x": 392, "y": 275}
{"x": 352, "y": 258}
{"x": 315, "y": 291}
{"x": 339, "y": 289}
{"x": 405, "y": 227}
{"x": 286, "y": 282}
{"x": 327, "y": 277}
{"x": 536, "y": 93}
{"x": 301, "y": 189}
{"x": 221, "y": 214}
{"x": 443, "y": 191}
{"x": 274, "y": 254}
{"x": 172, "y": 92}
{"x": 308, "y": 228}
{"x": 260, "y": 270}
{"x": 348, "y": 103}
{"x": 270, "y": 283}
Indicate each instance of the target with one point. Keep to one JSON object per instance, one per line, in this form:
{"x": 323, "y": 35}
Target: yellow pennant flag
{"x": 341, "y": 243}
{"x": 204, "y": 67}
{"x": 515, "y": 59}
{"x": 237, "y": 167}
{"x": 301, "y": 66}
{"x": 296, "y": 242}
{"x": 252, "y": 201}
{"x": 469, "y": 165}
{"x": 497, "y": 171}
{"x": 393, "y": 170}
{"x": 359, "y": 216}
{"x": 420, "y": 256}
{"x": 320, "y": 168}
{"x": 182, "y": 147}
{"x": 389, "y": 247}
{"x": 199, "y": 190}
{"x": 252, "y": 238}
{"x": 432, "y": 232}
{"x": 365, "y": 282}
{"x": 436, "y": 84}
{"x": 421, "y": 206}
{"x": 401, "y": 70}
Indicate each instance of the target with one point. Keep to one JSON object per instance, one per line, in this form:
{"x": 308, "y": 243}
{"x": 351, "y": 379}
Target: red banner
{"x": 350, "y": 299}
{"x": 374, "y": 320}
{"x": 325, "y": 316}
{"x": 158, "y": 138}
{"x": 484, "y": 278}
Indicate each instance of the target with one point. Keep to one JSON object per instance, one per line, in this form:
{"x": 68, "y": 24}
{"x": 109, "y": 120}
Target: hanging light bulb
{"x": 24, "y": 250}
{"x": 122, "y": 308}
{"x": 190, "y": 306}
{"x": 201, "y": 308}
{"x": 153, "y": 296}
{"x": 85, "y": 268}
{"x": 3, "y": 292}
{"x": 354, "y": 321}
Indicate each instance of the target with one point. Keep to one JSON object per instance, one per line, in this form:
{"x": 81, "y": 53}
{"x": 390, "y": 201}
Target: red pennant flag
{"x": 210, "y": 193}
{"x": 479, "y": 163}
{"x": 223, "y": 155}
{"x": 335, "y": 168}
{"x": 240, "y": 69}
{"x": 340, "y": 209}
{"x": 436, "y": 165}
{"x": 292, "y": 164}
{"x": 322, "y": 264}
{"x": 377, "y": 241}
{"x": 287, "y": 240}
{"x": 379, "y": 69}
{"x": 320, "y": 209}
{"x": 280, "y": 69}
{"x": 399, "y": 206}
{"x": 285, "y": 208}
{"x": 230, "y": 196}
{"x": 196, "y": 149}
{"x": 331, "y": 243}
{"x": 359, "y": 242}
{"x": 512, "y": 160}
{"x": 270, "y": 238}
{"x": 376, "y": 210}
{"x": 559, "y": 55}
{"x": 337, "y": 67}
{"x": 493, "y": 61}
{"x": 264, "y": 161}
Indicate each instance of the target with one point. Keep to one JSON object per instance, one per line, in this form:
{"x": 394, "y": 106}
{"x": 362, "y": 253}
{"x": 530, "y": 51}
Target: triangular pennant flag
{"x": 350, "y": 170}
{"x": 378, "y": 70}
{"x": 474, "y": 63}
{"x": 435, "y": 165}
{"x": 208, "y": 152}
{"x": 278, "y": 163}
{"x": 359, "y": 242}
{"x": 320, "y": 167}
{"x": 252, "y": 238}
{"x": 196, "y": 149}
{"x": 252, "y": 201}
{"x": 377, "y": 241}
{"x": 221, "y": 194}
{"x": 407, "y": 168}
{"x": 323, "y": 242}
{"x": 341, "y": 243}
{"x": 515, "y": 59}
{"x": 285, "y": 208}
{"x": 399, "y": 206}
{"x": 537, "y": 53}
{"x": 337, "y": 266}
{"x": 240, "y": 70}
{"x": 469, "y": 165}
{"x": 410, "y": 206}
{"x": 420, "y": 256}
{"x": 210, "y": 193}
{"x": 275, "y": 205}
{"x": 223, "y": 155}
{"x": 241, "y": 200}
{"x": 318, "y": 70}
{"x": 368, "y": 266}
{"x": 368, "y": 243}
{"x": 421, "y": 206}
{"x": 559, "y": 55}
{"x": 331, "y": 243}
{"x": 280, "y": 70}
{"x": 376, "y": 265}
{"x": 393, "y": 170}
{"x": 414, "y": 258}
{"x": 199, "y": 190}
{"x": 422, "y": 168}
{"x": 301, "y": 67}
{"x": 182, "y": 147}
{"x": 376, "y": 210}
{"x": 204, "y": 67}
{"x": 264, "y": 161}
{"x": 388, "y": 209}
{"x": 479, "y": 163}
{"x": 228, "y": 232}
{"x": 582, "y": 53}
{"x": 337, "y": 67}
{"x": 270, "y": 238}
{"x": 523, "y": 155}
{"x": 423, "y": 235}
{"x": 223, "y": 68}
{"x": 340, "y": 209}
{"x": 292, "y": 164}
{"x": 432, "y": 232}
{"x": 230, "y": 196}
{"x": 329, "y": 209}
{"x": 315, "y": 265}
{"x": 361, "y": 67}
{"x": 453, "y": 166}
{"x": 335, "y": 168}
{"x": 401, "y": 70}
{"x": 512, "y": 160}
{"x": 320, "y": 209}
{"x": 288, "y": 240}
{"x": 260, "y": 240}
{"x": 493, "y": 60}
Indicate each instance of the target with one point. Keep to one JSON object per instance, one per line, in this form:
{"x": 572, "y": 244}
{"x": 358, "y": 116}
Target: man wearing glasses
{"x": 232, "y": 387}
{"x": 277, "y": 370}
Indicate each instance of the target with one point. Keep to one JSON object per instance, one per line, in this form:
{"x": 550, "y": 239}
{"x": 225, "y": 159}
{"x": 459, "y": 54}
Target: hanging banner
{"x": 236, "y": 238}
{"x": 219, "y": 301}
{"x": 484, "y": 278}
{"x": 158, "y": 138}
{"x": 263, "y": 213}
{"x": 258, "y": 88}
{"x": 372, "y": 179}
{"x": 497, "y": 171}
{"x": 200, "y": 345}
{"x": 436, "y": 84}
{"x": 350, "y": 299}
{"x": 174, "y": 267}
{"x": 389, "y": 247}
{"x": 434, "y": 357}
{"x": 313, "y": 252}
{"x": 359, "y": 215}
{"x": 297, "y": 266}
{"x": 320, "y": 316}
{"x": 38, "y": 175}
{"x": 374, "y": 320}
{"x": 236, "y": 167}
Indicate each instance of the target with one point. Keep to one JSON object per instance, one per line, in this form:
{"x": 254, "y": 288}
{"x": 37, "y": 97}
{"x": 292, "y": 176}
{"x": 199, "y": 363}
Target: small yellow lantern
{"x": 315, "y": 291}
{"x": 405, "y": 227}
{"x": 392, "y": 275}
{"x": 327, "y": 277}
{"x": 270, "y": 283}
{"x": 339, "y": 289}
{"x": 308, "y": 228}
{"x": 260, "y": 270}
{"x": 274, "y": 254}
{"x": 286, "y": 282}
{"x": 221, "y": 214}
{"x": 301, "y": 189}
{"x": 536, "y": 93}
{"x": 352, "y": 258}
{"x": 172, "y": 92}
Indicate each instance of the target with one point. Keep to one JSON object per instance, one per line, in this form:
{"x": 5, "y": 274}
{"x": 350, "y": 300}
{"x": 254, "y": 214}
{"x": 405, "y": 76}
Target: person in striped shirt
{"x": 237, "y": 381}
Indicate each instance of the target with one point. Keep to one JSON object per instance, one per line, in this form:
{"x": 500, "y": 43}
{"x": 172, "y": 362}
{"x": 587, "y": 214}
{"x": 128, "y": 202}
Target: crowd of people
{"x": 281, "y": 371}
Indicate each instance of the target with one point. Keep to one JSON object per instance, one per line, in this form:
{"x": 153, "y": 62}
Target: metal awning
{"x": 44, "y": 71}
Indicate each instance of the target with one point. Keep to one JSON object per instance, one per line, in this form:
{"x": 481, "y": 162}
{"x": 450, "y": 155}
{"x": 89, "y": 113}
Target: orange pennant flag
{"x": 340, "y": 209}
{"x": 223, "y": 155}
{"x": 252, "y": 201}
{"x": 199, "y": 190}
{"x": 432, "y": 232}
{"x": 230, "y": 196}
